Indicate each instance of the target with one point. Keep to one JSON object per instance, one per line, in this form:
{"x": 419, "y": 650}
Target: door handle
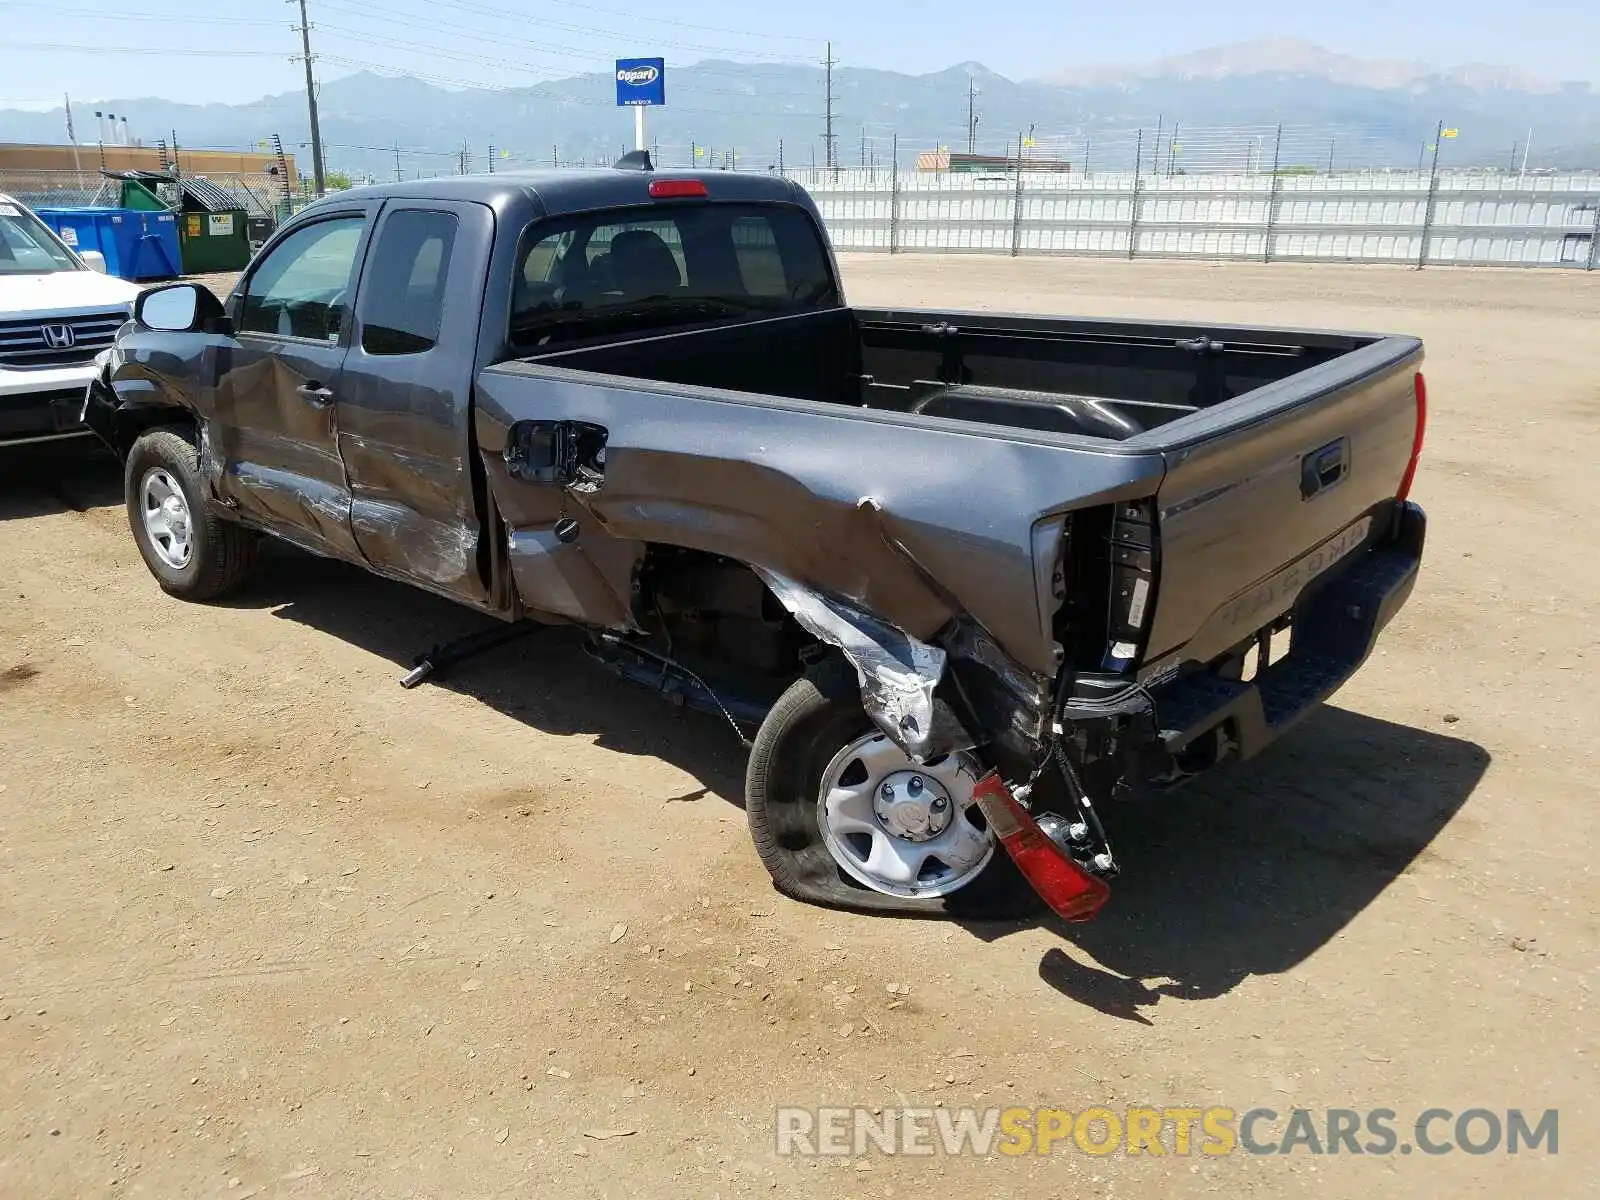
{"x": 315, "y": 394}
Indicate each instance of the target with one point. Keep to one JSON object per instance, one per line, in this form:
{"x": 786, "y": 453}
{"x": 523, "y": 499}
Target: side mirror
{"x": 94, "y": 260}
{"x": 179, "y": 308}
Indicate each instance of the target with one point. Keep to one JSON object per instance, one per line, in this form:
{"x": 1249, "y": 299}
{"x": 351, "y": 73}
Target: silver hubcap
{"x": 900, "y": 828}
{"x": 166, "y": 517}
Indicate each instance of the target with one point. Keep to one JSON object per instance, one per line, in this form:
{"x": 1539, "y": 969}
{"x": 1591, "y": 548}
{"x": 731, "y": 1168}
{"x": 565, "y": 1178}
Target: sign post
{"x": 641, "y": 84}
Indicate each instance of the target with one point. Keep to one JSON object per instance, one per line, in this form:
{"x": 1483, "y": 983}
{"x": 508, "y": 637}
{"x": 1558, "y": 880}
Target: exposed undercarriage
{"x": 712, "y": 634}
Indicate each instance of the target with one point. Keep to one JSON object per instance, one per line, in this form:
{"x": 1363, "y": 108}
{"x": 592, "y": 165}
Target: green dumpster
{"x": 212, "y": 232}
{"x": 138, "y": 196}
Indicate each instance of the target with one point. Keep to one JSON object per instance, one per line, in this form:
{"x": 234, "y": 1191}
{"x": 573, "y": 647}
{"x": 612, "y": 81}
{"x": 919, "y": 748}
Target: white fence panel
{"x": 1378, "y": 217}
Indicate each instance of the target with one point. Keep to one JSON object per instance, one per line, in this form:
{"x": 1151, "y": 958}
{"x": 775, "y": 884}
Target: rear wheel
{"x": 842, "y": 817}
{"x": 192, "y": 554}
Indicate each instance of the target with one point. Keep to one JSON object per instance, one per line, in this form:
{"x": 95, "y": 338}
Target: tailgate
{"x": 1272, "y": 489}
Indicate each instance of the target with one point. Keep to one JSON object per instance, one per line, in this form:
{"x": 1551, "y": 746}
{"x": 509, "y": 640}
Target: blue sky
{"x": 239, "y": 50}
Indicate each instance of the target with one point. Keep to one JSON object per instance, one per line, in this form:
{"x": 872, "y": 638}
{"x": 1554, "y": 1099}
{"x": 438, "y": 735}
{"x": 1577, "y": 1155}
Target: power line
{"x": 103, "y": 49}
{"x": 635, "y": 17}
{"x": 433, "y": 50}
{"x": 165, "y": 18}
{"x": 469, "y": 6}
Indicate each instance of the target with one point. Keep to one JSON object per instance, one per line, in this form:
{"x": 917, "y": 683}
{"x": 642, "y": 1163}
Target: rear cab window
{"x": 626, "y": 271}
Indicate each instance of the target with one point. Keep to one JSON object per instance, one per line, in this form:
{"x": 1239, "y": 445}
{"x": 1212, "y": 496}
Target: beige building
{"x": 63, "y": 166}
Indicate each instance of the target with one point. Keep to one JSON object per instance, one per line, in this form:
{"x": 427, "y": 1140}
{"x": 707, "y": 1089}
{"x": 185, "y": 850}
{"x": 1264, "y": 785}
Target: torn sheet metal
{"x": 898, "y": 673}
{"x": 1020, "y": 699}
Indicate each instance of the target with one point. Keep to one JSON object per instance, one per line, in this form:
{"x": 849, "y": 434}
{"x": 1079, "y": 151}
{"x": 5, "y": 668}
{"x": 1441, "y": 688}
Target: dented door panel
{"x": 277, "y": 450}
{"x": 404, "y": 400}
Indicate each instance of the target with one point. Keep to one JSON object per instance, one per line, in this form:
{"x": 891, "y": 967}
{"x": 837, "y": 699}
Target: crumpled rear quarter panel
{"x": 915, "y": 519}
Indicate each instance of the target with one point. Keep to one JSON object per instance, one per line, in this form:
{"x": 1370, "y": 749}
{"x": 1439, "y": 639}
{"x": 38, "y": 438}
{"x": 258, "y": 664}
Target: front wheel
{"x": 842, "y": 817}
{"x": 192, "y": 554}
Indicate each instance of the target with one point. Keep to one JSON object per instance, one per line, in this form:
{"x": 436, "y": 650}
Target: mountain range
{"x": 1227, "y": 108}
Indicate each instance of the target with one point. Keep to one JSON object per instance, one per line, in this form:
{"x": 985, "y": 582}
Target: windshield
{"x": 664, "y": 266}
{"x": 26, "y": 246}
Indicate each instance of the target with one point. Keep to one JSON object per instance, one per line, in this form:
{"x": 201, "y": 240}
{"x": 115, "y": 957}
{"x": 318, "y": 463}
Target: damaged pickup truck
{"x": 963, "y": 579}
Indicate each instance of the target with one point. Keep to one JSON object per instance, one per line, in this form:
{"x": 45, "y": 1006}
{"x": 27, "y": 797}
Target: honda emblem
{"x": 58, "y": 337}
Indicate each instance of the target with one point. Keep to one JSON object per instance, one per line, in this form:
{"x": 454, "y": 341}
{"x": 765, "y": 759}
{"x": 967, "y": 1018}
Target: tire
{"x": 218, "y": 554}
{"x": 812, "y": 723}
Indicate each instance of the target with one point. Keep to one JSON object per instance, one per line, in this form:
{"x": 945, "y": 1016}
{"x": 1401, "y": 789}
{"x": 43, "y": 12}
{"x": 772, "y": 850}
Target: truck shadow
{"x": 543, "y": 680}
{"x": 53, "y": 477}
{"x": 1250, "y": 871}
{"x": 1245, "y": 873}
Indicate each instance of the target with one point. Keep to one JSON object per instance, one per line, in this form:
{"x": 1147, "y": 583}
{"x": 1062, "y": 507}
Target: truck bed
{"x": 1108, "y": 380}
{"x": 1213, "y": 474}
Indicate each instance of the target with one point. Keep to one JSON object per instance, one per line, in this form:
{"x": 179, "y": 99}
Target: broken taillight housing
{"x": 1133, "y": 581}
{"x": 1072, "y": 893}
{"x": 1420, "y": 386}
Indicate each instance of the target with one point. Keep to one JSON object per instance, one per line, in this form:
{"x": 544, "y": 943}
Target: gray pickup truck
{"x": 962, "y": 578}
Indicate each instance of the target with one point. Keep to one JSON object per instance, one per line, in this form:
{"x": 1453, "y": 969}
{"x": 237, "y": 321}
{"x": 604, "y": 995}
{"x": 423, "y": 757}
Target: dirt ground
{"x": 271, "y": 926}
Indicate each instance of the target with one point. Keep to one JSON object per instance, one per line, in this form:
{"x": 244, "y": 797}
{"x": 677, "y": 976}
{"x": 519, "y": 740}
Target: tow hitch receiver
{"x": 1071, "y": 892}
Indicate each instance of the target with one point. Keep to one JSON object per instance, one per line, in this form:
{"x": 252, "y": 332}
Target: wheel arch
{"x": 129, "y": 424}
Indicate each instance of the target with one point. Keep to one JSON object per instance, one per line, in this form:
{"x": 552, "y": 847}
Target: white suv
{"x": 58, "y": 309}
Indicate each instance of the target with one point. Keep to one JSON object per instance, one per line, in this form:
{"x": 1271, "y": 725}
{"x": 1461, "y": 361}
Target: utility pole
{"x": 397, "y": 162}
{"x": 780, "y": 156}
{"x": 317, "y": 178}
{"x": 972, "y": 115}
{"x": 1433, "y": 197}
{"x": 829, "y": 141}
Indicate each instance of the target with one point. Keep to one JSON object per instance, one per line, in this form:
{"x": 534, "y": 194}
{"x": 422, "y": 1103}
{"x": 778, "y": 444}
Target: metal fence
{"x": 1412, "y": 218}
{"x": 258, "y": 195}
{"x": 1464, "y": 219}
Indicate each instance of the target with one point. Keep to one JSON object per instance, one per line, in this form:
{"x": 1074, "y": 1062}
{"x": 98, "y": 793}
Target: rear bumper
{"x": 43, "y": 405}
{"x": 1335, "y": 629}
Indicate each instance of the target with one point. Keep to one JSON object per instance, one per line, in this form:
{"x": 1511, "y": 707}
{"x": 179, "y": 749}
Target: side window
{"x": 760, "y": 265}
{"x": 303, "y": 288}
{"x": 403, "y": 293}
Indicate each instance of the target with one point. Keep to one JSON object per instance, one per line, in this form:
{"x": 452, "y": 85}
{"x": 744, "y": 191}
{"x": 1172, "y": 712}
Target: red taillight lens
{"x": 1071, "y": 892}
{"x": 1421, "y": 385}
{"x": 676, "y": 189}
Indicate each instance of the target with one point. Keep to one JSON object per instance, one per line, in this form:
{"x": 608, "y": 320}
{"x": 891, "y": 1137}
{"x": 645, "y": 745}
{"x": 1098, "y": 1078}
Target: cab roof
{"x": 557, "y": 192}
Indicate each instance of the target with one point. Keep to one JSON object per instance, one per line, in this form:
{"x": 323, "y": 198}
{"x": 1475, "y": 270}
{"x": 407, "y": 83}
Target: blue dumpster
{"x": 137, "y": 245}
